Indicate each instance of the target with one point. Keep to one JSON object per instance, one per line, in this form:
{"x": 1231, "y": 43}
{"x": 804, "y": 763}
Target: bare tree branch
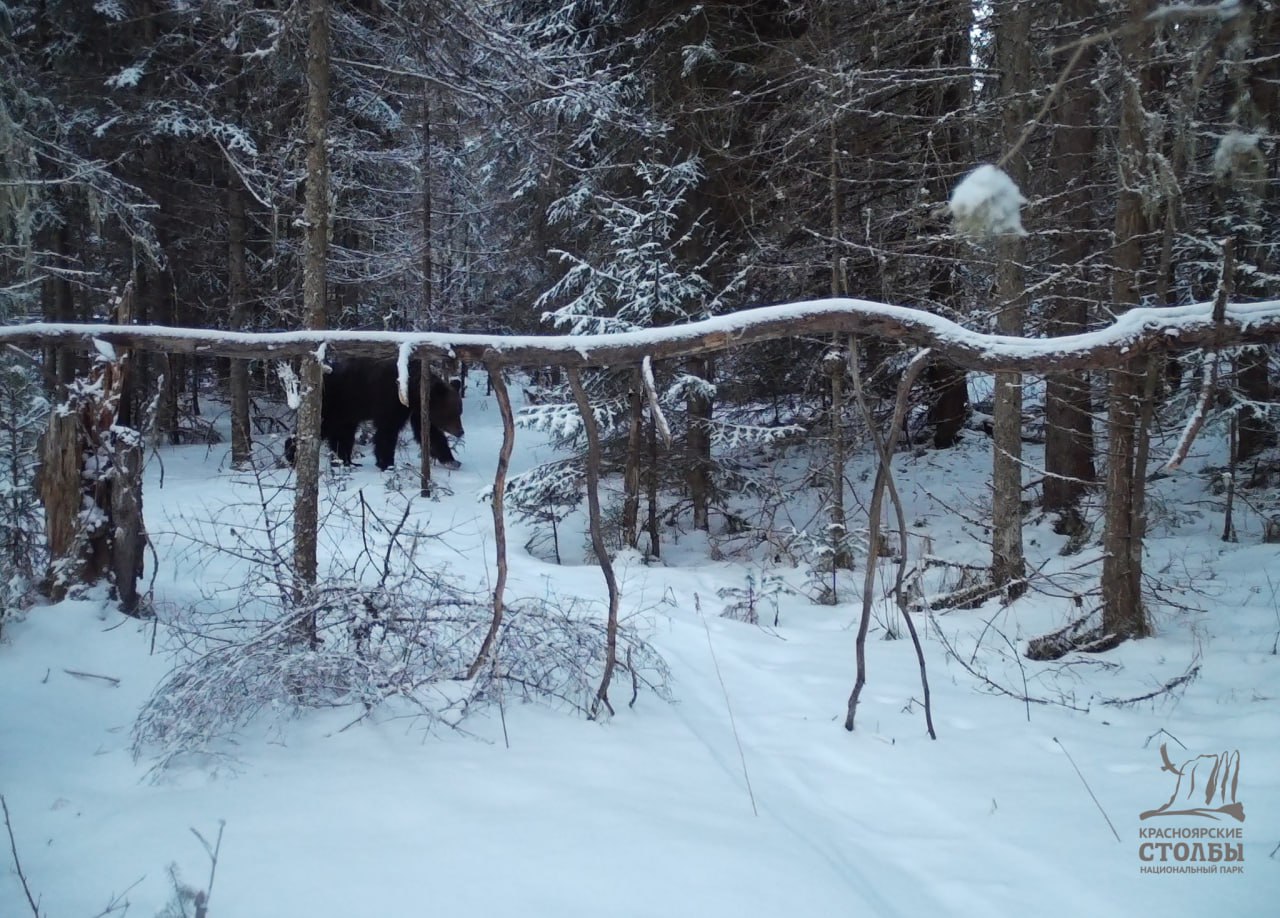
{"x": 597, "y": 536}
{"x": 17, "y": 865}
{"x": 913, "y": 370}
{"x": 1138, "y": 332}
{"x": 499, "y": 519}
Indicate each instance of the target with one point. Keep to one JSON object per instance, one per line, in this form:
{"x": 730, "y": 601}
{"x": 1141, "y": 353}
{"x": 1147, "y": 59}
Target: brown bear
{"x": 365, "y": 389}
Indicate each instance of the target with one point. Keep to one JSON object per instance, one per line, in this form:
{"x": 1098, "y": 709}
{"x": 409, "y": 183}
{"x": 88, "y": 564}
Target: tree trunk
{"x": 953, "y": 151}
{"x": 631, "y": 471}
{"x": 1254, "y": 95}
{"x": 1254, "y": 431}
{"x": 128, "y": 535}
{"x": 238, "y": 295}
{"x": 1069, "y": 447}
{"x": 427, "y": 318}
{"x": 424, "y": 424}
{"x": 1123, "y": 613}
{"x": 950, "y": 406}
{"x": 61, "y": 493}
{"x": 833, "y": 364}
{"x": 499, "y": 516}
{"x": 1008, "y": 567}
{"x": 85, "y": 547}
{"x": 59, "y": 297}
{"x": 651, "y": 490}
{"x": 306, "y": 498}
{"x": 155, "y": 295}
{"x": 1007, "y": 563}
{"x": 597, "y": 538}
{"x": 698, "y": 445}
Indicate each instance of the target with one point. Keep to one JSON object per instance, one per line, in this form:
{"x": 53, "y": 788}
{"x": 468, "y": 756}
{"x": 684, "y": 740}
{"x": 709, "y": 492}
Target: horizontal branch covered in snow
{"x": 1139, "y": 331}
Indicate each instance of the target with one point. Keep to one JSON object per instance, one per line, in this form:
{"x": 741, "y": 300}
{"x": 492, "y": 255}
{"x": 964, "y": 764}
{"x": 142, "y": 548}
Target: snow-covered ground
{"x": 653, "y": 812}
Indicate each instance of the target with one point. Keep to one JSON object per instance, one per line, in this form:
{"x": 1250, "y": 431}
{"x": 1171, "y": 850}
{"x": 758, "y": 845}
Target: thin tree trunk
{"x": 60, "y": 304}
{"x": 1008, "y": 567}
{"x": 238, "y": 294}
{"x": 499, "y": 517}
{"x": 837, "y": 528}
{"x": 834, "y": 364}
{"x": 952, "y": 148}
{"x": 597, "y": 537}
{"x": 631, "y": 471}
{"x": 307, "y": 496}
{"x": 651, "y": 490}
{"x": 885, "y": 459}
{"x": 156, "y": 301}
{"x": 427, "y": 319}
{"x": 424, "y": 427}
{"x": 909, "y": 376}
{"x": 698, "y": 446}
{"x": 128, "y": 535}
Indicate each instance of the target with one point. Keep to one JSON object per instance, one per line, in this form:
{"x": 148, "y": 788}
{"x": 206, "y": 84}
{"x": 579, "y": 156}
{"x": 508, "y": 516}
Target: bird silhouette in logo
{"x": 1213, "y": 778}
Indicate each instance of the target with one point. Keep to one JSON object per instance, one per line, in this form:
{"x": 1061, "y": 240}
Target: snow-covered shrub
{"x": 830, "y": 553}
{"x": 410, "y": 640}
{"x": 546, "y": 495}
{"x": 746, "y": 602}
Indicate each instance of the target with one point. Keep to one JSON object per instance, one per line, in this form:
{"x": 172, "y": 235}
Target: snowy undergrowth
{"x": 338, "y": 811}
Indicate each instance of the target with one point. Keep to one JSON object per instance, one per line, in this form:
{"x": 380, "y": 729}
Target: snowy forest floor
{"x": 648, "y": 813}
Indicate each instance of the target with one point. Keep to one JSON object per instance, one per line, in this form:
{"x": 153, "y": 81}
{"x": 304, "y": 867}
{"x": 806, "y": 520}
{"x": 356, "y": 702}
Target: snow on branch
{"x": 1138, "y": 331}
{"x": 1175, "y": 12}
{"x": 988, "y": 203}
{"x": 659, "y": 419}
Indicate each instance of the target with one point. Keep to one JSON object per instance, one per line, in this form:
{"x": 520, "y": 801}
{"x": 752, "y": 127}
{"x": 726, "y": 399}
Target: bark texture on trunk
{"x": 1069, "y": 444}
{"x": 307, "y": 495}
{"x": 1008, "y": 566}
{"x": 1123, "y": 612}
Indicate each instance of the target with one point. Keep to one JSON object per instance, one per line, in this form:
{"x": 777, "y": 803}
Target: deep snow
{"x": 649, "y": 813}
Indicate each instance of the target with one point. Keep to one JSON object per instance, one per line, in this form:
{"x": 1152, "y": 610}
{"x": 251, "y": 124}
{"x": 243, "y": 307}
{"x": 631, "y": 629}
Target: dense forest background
{"x": 596, "y": 166}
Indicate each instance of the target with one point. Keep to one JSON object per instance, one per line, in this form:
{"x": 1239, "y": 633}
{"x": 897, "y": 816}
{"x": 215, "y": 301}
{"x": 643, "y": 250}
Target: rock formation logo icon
{"x": 1210, "y": 779}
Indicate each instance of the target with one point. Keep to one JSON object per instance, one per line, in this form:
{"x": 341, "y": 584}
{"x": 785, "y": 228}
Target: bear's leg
{"x": 343, "y": 442}
{"x": 384, "y": 443}
{"x": 439, "y": 446}
{"x": 415, "y": 416}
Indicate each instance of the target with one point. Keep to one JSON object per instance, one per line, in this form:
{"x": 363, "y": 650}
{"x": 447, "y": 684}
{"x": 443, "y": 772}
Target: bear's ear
{"x": 457, "y": 385}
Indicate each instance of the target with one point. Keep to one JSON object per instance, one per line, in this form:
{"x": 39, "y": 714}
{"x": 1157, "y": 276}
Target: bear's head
{"x": 446, "y": 405}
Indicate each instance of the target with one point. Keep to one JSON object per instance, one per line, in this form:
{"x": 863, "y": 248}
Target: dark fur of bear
{"x": 364, "y": 389}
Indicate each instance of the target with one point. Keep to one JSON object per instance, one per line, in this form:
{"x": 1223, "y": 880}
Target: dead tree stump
{"x": 90, "y": 483}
